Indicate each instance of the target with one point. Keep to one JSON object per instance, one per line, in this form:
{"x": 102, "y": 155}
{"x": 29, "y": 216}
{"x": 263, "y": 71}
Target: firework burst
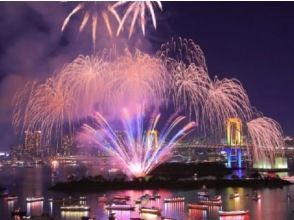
{"x": 226, "y": 98}
{"x": 266, "y": 138}
{"x": 140, "y": 150}
{"x": 138, "y": 10}
{"x": 94, "y": 13}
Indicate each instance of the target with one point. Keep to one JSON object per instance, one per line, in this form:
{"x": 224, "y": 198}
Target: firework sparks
{"x": 138, "y": 152}
{"x": 226, "y": 98}
{"x": 92, "y": 13}
{"x": 189, "y": 88}
{"x": 182, "y": 50}
{"x": 265, "y": 136}
{"x": 138, "y": 10}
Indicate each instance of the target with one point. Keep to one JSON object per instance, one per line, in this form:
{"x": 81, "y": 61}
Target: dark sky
{"x": 250, "y": 41}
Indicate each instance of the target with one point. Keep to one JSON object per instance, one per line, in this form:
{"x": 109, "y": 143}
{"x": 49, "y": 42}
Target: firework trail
{"x": 93, "y": 13}
{"x": 138, "y": 9}
{"x": 226, "y": 98}
{"x": 266, "y": 138}
{"x": 182, "y": 50}
{"x": 101, "y": 82}
{"x": 189, "y": 88}
{"x": 139, "y": 151}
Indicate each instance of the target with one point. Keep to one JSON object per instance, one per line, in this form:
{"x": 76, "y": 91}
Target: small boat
{"x": 120, "y": 207}
{"x": 198, "y": 206}
{"x": 234, "y": 195}
{"x": 118, "y": 202}
{"x": 233, "y": 213}
{"x": 75, "y": 208}
{"x": 175, "y": 199}
{"x": 210, "y": 203}
{"x": 121, "y": 197}
{"x": 18, "y": 212}
{"x": 152, "y": 210}
{"x": 11, "y": 198}
{"x": 203, "y": 192}
{"x": 34, "y": 199}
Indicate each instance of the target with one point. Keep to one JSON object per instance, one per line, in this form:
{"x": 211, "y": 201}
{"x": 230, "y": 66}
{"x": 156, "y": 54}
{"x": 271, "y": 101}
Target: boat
{"x": 118, "y": 202}
{"x": 75, "y": 208}
{"x": 152, "y": 210}
{"x": 203, "y": 192}
{"x": 234, "y": 195}
{"x": 34, "y": 199}
{"x": 175, "y": 199}
{"x": 233, "y": 213}
{"x": 120, "y": 207}
{"x": 210, "y": 203}
{"x": 11, "y": 198}
{"x": 198, "y": 206}
{"x": 121, "y": 197}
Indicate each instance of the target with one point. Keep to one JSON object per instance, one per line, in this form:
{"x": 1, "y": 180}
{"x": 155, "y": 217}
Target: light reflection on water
{"x": 29, "y": 182}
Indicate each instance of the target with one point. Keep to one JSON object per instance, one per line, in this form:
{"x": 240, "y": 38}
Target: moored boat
{"x": 233, "y": 213}
{"x": 120, "y": 207}
{"x": 121, "y": 197}
{"x": 11, "y": 198}
{"x": 151, "y": 210}
{"x": 34, "y": 199}
{"x": 174, "y": 199}
{"x": 210, "y": 203}
{"x": 75, "y": 208}
{"x": 198, "y": 206}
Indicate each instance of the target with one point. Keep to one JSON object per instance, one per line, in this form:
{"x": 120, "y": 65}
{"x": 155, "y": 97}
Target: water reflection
{"x": 35, "y": 208}
{"x": 73, "y": 215}
{"x": 195, "y": 214}
{"x": 28, "y": 182}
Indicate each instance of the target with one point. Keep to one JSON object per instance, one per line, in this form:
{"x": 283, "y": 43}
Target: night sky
{"x": 250, "y": 41}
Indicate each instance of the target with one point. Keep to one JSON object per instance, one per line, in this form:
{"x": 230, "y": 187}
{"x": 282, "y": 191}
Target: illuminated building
{"x": 152, "y": 139}
{"x": 234, "y": 131}
{"x": 66, "y": 145}
{"x": 32, "y": 142}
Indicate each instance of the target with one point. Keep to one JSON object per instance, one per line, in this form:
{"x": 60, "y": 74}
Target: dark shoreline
{"x": 86, "y": 185}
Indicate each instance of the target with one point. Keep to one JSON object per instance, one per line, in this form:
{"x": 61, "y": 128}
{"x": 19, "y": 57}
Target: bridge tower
{"x": 234, "y": 141}
{"x": 152, "y": 139}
